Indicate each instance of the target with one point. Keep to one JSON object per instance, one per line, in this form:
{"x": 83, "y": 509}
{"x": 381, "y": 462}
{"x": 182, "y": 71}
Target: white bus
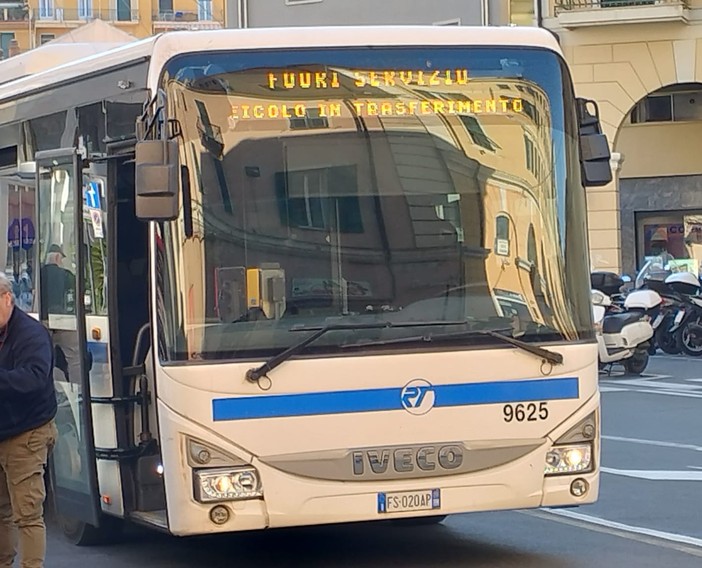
{"x": 270, "y": 259}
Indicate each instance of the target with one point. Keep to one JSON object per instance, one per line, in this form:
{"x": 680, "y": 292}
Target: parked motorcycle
{"x": 679, "y": 318}
{"x": 623, "y": 338}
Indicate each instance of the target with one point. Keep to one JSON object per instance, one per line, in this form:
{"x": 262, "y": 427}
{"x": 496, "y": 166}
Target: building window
{"x": 532, "y": 158}
{"x": 502, "y": 245}
{"x": 5, "y": 39}
{"x": 310, "y": 120}
{"x": 317, "y": 199}
{"x": 204, "y": 10}
{"x": 85, "y": 9}
{"x": 531, "y": 245}
{"x": 476, "y": 132}
{"x": 46, "y": 9}
{"x": 46, "y": 38}
{"x": 668, "y": 107}
{"x": 124, "y": 10}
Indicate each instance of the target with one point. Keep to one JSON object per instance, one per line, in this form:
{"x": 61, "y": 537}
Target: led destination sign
{"x": 375, "y": 108}
{"x": 387, "y": 78}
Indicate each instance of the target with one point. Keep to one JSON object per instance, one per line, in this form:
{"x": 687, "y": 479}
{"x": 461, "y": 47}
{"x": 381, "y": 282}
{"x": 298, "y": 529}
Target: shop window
{"x": 676, "y": 236}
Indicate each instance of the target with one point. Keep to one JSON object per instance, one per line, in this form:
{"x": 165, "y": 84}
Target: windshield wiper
{"x": 550, "y": 356}
{"x": 256, "y": 373}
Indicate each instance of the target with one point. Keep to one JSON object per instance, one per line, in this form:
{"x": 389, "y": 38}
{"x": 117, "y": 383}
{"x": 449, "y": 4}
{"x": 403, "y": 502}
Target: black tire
{"x": 665, "y": 339}
{"x": 420, "y": 521}
{"x": 687, "y": 344}
{"x": 77, "y": 532}
{"x": 83, "y": 534}
{"x": 637, "y": 363}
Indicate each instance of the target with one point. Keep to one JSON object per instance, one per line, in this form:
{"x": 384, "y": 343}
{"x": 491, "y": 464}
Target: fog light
{"x": 579, "y": 487}
{"x": 229, "y": 484}
{"x": 219, "y": 515}
{"x": 575, "y": 458}
{"x": 588, "y": 431}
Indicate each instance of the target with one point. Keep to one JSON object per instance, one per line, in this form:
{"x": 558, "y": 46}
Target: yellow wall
{"x": 141, "y": 27}
{"x": 617, "y": 65}
{"x": 660, "y": 149}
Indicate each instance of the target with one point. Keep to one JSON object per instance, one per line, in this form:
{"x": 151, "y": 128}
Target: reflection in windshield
{"x": 371, "y": 185}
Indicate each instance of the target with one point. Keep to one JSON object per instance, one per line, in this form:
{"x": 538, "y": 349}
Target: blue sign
{"x": 91, "y": 195}
{"x": 28, "y": 233}
{"x": 14, "y": 236}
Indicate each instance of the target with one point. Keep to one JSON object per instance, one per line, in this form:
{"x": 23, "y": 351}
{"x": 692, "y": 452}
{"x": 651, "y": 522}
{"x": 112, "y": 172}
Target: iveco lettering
{"x": 313, "y": 275}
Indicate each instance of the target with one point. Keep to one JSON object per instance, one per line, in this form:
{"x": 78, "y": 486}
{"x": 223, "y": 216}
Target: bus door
{"x": 60, "y": 205}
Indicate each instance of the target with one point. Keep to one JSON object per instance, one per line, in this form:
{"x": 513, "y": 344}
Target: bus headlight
{"x": 229, "y": 484}
{"x": 575, "y": 458}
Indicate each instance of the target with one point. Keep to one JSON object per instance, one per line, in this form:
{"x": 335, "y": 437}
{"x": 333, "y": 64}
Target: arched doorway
{"x": 660, "y": 179}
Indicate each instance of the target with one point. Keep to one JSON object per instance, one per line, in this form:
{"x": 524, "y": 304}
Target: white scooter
{"x": 623, "y": 337}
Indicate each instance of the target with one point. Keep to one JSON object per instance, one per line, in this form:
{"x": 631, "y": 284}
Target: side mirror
{"x": 594, "y": 148}
{"x": 157, "y": 176}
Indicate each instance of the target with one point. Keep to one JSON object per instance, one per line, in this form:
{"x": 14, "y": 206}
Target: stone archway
{"x": 617, "y": 74}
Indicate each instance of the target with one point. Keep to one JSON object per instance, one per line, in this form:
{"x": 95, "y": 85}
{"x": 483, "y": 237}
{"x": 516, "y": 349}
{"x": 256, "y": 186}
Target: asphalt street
{"x": 648, "y": 514}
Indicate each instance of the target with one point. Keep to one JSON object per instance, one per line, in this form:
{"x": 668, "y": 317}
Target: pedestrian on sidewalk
{"x": 27, "y": 431}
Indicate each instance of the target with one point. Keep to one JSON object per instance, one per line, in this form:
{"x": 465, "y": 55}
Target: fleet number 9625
{"x": 529, "y": 412}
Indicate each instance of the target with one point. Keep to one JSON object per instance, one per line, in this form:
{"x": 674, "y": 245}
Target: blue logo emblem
{"x": 417, "y": 396}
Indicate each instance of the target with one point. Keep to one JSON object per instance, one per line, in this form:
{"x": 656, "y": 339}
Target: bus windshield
{"x": 436, "y": 186}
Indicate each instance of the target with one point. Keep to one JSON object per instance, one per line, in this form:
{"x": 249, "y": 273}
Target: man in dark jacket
{"x": 27, "y": 431}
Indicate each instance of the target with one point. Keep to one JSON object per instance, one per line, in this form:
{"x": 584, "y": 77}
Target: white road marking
{"x": 677, "y": 358}
{"x": 655, "y": 475}
{"x": 654, "y": 443}
{"x": 674, "y": 541}
{"x": 613, "y": 389}
{"x": 669, "y": 393}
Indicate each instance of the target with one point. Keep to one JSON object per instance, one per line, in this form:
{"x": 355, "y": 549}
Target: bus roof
{"x": 161, "y": 48}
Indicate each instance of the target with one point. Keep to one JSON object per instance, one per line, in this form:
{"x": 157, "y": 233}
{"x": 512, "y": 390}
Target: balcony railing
{"x": 177, "y": 19}
{"x": 73, "y": 15}
{"x": 567, "y": 5}
{"x": 13, "y": 14}
{"x": 582, "y": 13}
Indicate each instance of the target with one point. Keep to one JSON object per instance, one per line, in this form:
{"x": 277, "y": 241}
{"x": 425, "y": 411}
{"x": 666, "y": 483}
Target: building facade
{"x": 35, "y": 22}
{"x": 265, "y": 13}
{"x": 641, "y": 60}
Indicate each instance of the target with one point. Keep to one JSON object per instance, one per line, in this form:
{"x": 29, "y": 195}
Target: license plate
{"x": 657, "y": 321}
{"x": 402, "y": 501}
{"x": 679, "y": 316}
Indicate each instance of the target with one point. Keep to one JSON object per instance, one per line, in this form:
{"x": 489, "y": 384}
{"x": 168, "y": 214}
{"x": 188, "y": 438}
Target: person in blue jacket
{"x": 27, "y": 431}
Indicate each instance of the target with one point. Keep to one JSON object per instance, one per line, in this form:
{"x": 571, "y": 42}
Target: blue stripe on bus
{"x": 378, "y": 400}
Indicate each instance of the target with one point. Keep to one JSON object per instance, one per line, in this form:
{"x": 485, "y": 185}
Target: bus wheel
{"x": 80, "y": 533}
{"x": 420, "y": 521}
